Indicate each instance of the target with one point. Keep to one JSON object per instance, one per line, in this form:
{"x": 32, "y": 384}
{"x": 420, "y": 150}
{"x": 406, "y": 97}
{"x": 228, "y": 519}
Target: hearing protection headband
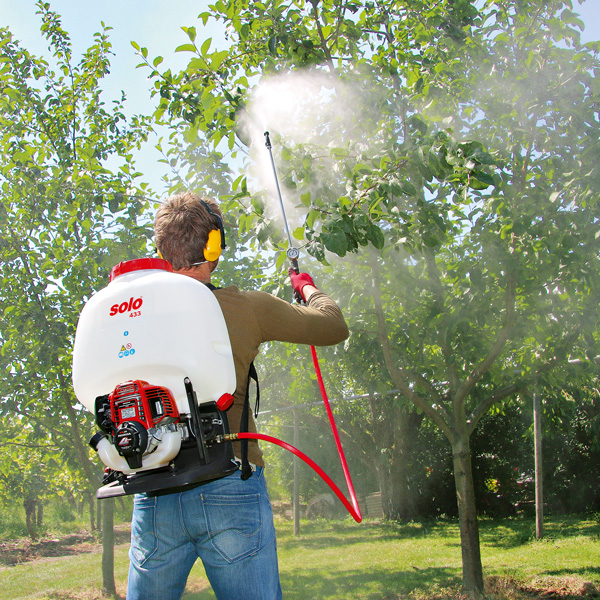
{"x": 216, "y": 237}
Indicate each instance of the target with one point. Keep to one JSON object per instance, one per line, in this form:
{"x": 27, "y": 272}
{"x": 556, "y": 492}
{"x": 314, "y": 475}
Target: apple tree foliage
{"x": 69, "y": 211}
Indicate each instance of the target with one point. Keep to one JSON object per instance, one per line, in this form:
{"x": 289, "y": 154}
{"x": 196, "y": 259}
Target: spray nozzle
{"x": 267, "y": 140}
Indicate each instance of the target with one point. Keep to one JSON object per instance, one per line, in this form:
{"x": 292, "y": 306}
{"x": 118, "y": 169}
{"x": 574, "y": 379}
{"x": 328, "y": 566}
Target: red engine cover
{"x": 139, "y": 401}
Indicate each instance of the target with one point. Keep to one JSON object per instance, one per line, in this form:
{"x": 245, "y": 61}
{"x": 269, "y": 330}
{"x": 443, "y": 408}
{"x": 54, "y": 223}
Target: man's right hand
{"x": 302, "y": 283}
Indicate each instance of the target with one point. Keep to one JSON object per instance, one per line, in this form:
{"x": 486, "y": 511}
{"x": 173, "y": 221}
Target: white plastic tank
{"x": 154, "y": 325}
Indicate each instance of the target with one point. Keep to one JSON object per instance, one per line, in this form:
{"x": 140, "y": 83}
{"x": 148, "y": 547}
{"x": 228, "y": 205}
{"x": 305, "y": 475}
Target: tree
{"x": 467, "y": 160}
{"x": 26, "y": 476}
{"x": 69, "y": 210}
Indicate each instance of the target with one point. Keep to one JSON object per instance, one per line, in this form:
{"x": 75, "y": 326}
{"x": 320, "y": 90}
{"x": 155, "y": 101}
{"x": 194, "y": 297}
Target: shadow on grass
{"x": 572, "y": 572}
{"x": 569, "y": 527}
{"x": 376, "y": 584}
{"x": 315, "y": 535}
{"x": 511, "y": 533}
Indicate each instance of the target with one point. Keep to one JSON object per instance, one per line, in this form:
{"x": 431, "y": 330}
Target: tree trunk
{"x": 396, "y": 495}
{"x": 99, "y": 515}
{"x": 539, "y": 477}
{"x": 30, "y": 505}
{"x": 386, "y": 487}
{"x": 92, "y": 502}
{"x": 393, "y": 448}
{"x": 403, "y": 459}
{"x": 40, "y": 514}
{"x": 108, "y": 547}
{"x": 467, "y": 514}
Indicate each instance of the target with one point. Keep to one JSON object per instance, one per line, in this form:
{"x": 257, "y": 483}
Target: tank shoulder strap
{"x": 252, "y": 375}
{"x": 244, "y": 424}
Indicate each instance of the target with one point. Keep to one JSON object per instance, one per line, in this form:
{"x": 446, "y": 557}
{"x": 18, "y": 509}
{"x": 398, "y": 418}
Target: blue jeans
{"x": 228, "y": 523}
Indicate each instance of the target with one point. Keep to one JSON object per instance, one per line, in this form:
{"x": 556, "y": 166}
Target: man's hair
{"x": 181, "y": 228}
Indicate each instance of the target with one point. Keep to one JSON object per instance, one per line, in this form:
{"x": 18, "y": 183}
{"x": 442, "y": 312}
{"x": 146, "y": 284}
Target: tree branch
{"x": 503, "y": 336}
{"x": 438, "y": 291}
{"x": 328, "y": 58}
{"x": 483, "y": 407}
{"x": 399, "y": 376}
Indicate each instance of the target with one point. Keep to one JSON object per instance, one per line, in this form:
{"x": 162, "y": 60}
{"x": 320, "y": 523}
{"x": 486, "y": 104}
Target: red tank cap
{"x": 140, "y": 264}
{"x": 224, "y": 402}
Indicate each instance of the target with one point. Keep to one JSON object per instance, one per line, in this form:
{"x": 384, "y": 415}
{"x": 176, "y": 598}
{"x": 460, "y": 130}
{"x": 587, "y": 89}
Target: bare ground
{"x": 19, "y": 551}
{"x": 565, "y": 588}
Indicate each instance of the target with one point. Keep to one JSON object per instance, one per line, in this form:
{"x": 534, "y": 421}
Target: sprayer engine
{"x": 136, "y": 415}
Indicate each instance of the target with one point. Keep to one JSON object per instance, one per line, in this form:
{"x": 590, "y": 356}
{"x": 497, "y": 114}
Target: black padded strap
{"x": 252, "y": 374}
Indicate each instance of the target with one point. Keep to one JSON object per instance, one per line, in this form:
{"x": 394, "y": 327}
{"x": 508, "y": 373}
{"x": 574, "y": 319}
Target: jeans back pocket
{"x": 143, "y": 523}
{"x": 234, "y": 524}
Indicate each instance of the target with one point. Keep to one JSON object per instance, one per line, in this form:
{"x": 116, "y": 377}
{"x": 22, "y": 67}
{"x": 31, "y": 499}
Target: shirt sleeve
{"x": 319, "y": 323}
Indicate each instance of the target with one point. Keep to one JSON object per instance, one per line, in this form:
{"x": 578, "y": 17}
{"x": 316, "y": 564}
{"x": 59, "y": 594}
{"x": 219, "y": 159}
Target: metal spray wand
{"x": 292, "y": 253}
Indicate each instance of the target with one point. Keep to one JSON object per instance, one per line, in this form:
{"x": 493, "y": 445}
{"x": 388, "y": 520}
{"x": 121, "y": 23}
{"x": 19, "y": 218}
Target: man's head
{"x": 182, "y": 228}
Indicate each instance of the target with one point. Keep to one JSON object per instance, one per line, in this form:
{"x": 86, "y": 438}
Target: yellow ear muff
{"x": 212, "y": 250}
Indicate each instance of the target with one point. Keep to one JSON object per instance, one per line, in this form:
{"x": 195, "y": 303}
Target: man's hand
{"x": 302, "y": 283}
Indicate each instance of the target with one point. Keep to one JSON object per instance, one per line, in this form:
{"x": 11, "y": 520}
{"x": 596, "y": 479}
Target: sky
{"x": 155, "y": 24}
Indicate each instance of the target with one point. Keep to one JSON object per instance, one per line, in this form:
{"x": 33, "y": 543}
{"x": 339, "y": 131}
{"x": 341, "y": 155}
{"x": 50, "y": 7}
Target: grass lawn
{"x": 342, "y": 560}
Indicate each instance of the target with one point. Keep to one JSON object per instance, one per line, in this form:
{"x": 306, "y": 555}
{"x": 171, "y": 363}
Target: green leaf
{"x": 479, "y": 180}
{"x": 191, "y": 32}
{"x": 362, "y": 168}
{"x": 335, "y": 241}
{"x": 417, "y": 123}
{"x": 218, "y": 58}
{"x": 186, "y": 48}
{"x": 408, "y": 188}
{"x": 205, "y": 46}
{"x": 375, "y": 235}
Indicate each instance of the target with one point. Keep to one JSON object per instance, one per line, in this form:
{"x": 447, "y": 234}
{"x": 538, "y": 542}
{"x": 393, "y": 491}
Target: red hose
{"x": 356, "y": 510}
{"x": 352, "y": 507}
{"x": 353, "y": 510}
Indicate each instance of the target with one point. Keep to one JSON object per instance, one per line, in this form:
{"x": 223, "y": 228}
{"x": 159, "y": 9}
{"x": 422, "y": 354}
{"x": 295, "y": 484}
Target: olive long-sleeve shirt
{"x": 255, "y": 317}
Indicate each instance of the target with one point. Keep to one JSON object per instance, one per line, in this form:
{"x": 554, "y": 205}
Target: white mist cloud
{"x": 301, "y": 108}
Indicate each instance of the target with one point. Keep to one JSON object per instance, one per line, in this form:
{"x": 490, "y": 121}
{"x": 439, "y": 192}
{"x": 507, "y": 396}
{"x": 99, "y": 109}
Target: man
{"x": 228, "y": 523}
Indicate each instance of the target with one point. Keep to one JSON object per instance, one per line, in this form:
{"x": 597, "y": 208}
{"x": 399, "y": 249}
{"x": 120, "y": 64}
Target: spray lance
{"x": 292, "y": 252}
{"x": 352, "y": 504}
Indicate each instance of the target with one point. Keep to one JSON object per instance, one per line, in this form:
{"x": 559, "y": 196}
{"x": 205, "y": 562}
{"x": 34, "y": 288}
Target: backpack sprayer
{"x": 152, "y": 361}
